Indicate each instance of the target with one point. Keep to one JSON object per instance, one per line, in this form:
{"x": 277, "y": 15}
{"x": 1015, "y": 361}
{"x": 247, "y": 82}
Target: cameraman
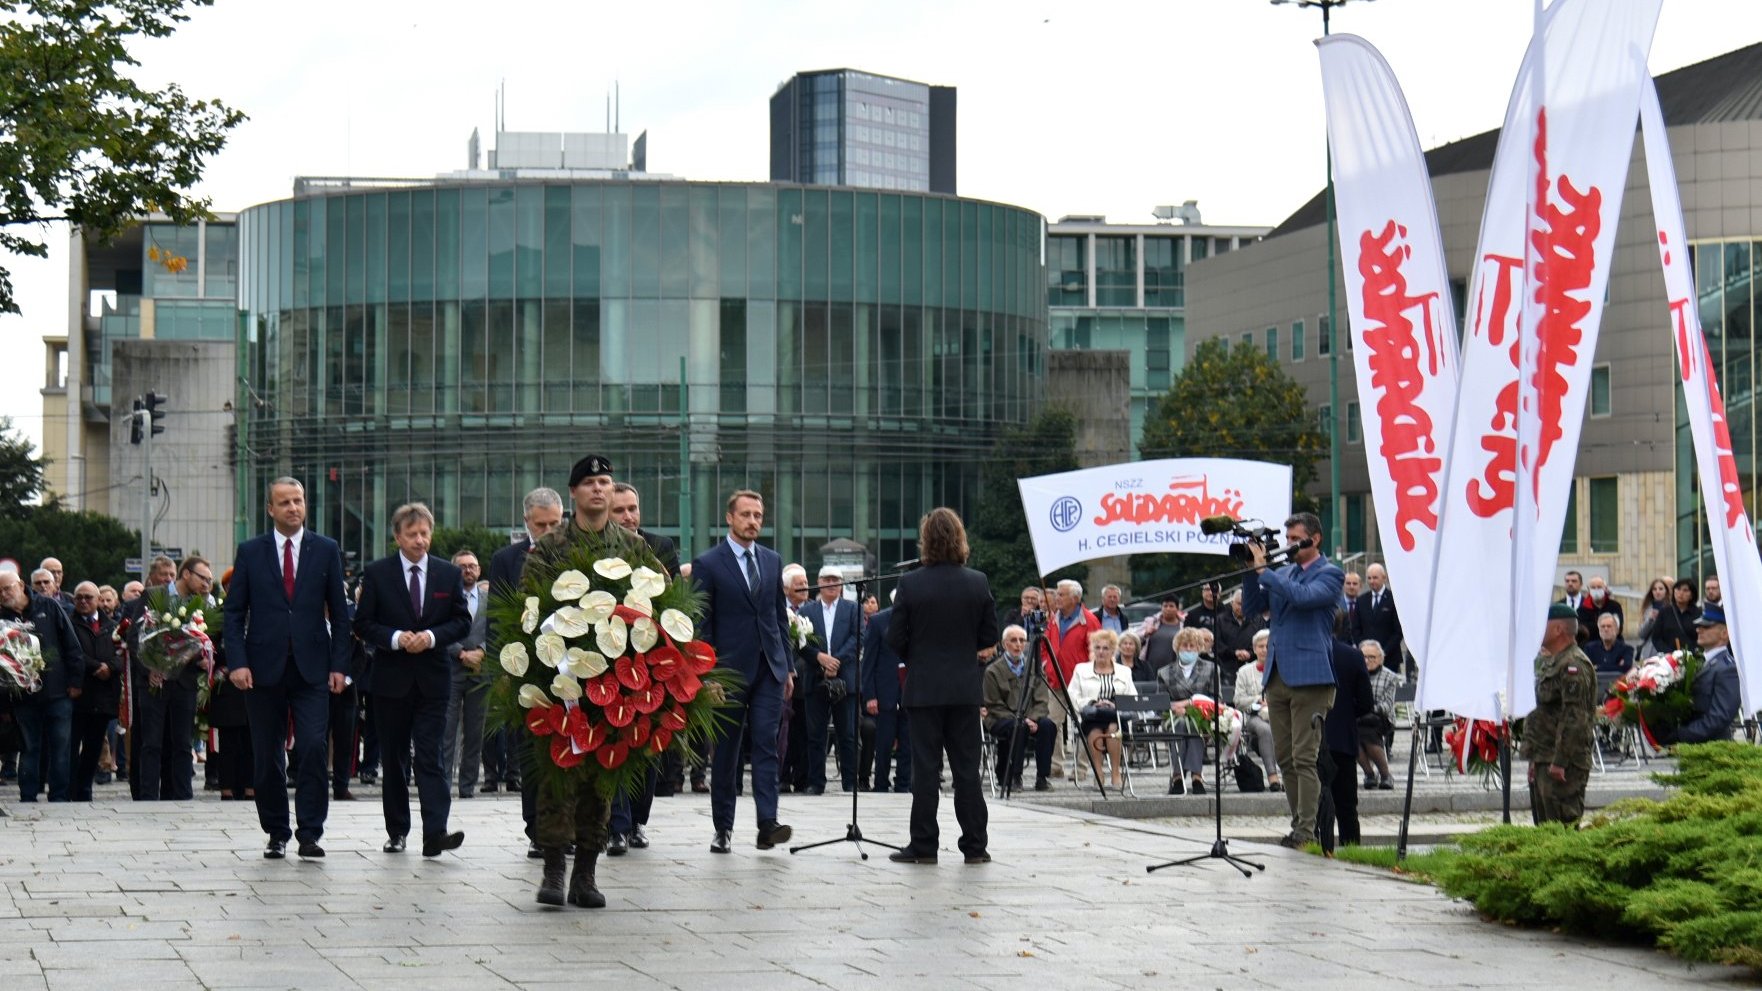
{"x": 1301, "y": 597}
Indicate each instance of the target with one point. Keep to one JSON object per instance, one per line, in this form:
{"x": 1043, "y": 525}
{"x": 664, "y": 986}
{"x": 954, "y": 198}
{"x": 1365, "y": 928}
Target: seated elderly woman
{"x": 1094, "y": 685}
{"x": 1374, "y": 730}
{"x": 1249, "y": 699}
{"x": 1190, "y": 675}
{"x": 1126, "y": 655}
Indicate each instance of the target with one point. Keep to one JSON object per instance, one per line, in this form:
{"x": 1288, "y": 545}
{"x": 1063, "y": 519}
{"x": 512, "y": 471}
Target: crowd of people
{"x": 1312, "y": 657}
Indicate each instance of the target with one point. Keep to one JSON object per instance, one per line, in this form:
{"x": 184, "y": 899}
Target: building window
{"x": 1116, "y": 272}
{"x": 1569, "y": 531}
{"x": 1067, "y": 273}
{"x": 1605, "y": 515}
{"x": 1600, "y": 390}
{"x": 1297, "y": 340}
{"x": 1272, "y": 344}
{"x": 1324, "y": 340}
{"x": 1354, "y": 430}
{"x": 1325, "y": 416}
{"x": 1248, "y": 338}
{"x": 1164, "y": 272}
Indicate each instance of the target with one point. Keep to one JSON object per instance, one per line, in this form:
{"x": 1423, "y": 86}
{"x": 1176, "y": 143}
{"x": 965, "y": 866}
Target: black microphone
{"x": 909, "y": 564}
{"x": 1213, "y": 525}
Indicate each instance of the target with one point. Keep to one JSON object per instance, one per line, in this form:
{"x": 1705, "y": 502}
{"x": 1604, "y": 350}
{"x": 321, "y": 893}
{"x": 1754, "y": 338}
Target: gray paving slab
{"x": 177, "y": 895}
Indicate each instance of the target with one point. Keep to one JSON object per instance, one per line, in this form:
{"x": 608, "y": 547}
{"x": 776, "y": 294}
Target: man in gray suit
{"x": 470, "y": 692}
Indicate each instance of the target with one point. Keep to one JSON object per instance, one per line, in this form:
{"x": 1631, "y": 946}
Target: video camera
{"x": 1265, "y": 536}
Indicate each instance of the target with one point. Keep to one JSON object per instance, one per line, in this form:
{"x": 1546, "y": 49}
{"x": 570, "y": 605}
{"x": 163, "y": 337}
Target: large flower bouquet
{"x": 174, "y": 632}
{"x": 21, "y": 659}
{"x": 1203, "y": 715}
{"x": 1655, "y": 695}
{"x": 603, "y": 669}
{"x": 1474, "y": 746}
{"x": 801, "y": 631}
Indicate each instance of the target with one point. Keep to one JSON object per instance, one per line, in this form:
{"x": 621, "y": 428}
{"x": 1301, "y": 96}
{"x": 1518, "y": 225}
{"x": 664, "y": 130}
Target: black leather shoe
{"x": 489, "y": 788}
{"x": 467, "y": 794}
{"x": 773, "y": 833}
{"x": 617, "y": 845}
{"x": 394, "y": 845}
{"x": 276, "y": 850}
{"x": 723, "y": 843}
{"x": 311, "y": 851}
{"x": 1041, "y": 784}
{"x": 1198, "y": 787}
{"x": 369, "y": 777}
{"x": 978, "y": 858}
{"x": 1177, "y": 786}
{"x": 534, "y": 851}
{"x": 434, "y": 846}
{"x": 639, "y": 838}
{"x": 908, "y": 857}
{"x": 343, "y": 796}
{"x": 814, "y": 790}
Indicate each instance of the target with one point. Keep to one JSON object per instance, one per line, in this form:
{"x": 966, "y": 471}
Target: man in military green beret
{"x": 1557, "y": 735}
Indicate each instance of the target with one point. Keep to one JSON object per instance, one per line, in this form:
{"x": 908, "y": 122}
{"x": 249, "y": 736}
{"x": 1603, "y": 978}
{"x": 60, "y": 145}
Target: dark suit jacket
{"x": 64, "y": 666}
{"x": 263, "y": 629}
{"x": 1382, "y": 624}
{"x": 747, "y": 626}
{"x": 880, "y": 663}
{"x": 942, "y": 617}
{"x": 1352, "y": 698}
{"x": 504, "y": 577}
{"x": 1613, "y": 659}
{"x": 99, "y": 652}
{"x": 385, "y": 609}
{"x": 664, "y": 549}
{"x": 841, "y": 643}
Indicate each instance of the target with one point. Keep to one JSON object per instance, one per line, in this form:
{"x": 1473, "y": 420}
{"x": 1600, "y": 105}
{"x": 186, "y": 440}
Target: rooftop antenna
{"x": 618, "y": 102}
{"x": 608, "y": 113}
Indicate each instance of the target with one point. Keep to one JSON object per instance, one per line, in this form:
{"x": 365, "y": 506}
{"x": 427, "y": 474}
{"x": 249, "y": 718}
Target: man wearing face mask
{"x": 1594, "y": 604}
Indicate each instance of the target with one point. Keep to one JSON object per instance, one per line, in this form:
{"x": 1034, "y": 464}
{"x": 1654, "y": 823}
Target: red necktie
{"x": 287, "y": 568}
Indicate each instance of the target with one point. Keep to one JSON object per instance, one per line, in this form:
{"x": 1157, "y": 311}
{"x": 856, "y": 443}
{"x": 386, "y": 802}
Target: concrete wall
{"x": 1097, "y": 387}
{"x": 194, "y": 507}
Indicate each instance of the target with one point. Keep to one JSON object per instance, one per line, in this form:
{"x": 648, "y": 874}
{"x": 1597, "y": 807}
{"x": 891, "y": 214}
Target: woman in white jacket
{"x": 1248, "y": 698}
{"x": 1094, "y": 685}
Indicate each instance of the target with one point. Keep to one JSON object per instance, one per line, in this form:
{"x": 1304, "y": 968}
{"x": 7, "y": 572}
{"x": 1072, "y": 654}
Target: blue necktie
{"x": 752, "y": 572}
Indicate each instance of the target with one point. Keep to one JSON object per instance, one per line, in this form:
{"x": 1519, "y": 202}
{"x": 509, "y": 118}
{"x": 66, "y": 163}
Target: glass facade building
{"x": 849, "y": 128}
{"x": 1122, "y": 287}
{"x": 850, "y": 354}
{"x": 1730, "y": 309}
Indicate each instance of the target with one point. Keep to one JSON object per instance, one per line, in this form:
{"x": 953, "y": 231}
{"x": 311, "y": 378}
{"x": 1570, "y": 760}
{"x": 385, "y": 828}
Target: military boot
{"x": 581, "y": 885}
{"x": 550, "y": 890}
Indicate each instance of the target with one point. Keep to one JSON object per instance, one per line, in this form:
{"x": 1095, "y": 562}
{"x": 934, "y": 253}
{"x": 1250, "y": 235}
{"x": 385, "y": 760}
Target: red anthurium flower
{"x": 659, "y": 742}
{"x": 562, "y": 754}
{"x": 620, "y": 712}
{"x": 602, "y": 690}
{"x": 591, "y": 736}
{"x": 632, "y": 673}
{"x": 701, "y": 656}
{"x": 612, "y": 756}
{"x": 575, "y": 723}
{"x": 545, "y": 721}
{"x": 665, "y": 662}
{"x": 638, "y": 733}
{"x": 673, "y": 719}
{"x": 647, "y": 700}
{"x": 1612, "y": 708}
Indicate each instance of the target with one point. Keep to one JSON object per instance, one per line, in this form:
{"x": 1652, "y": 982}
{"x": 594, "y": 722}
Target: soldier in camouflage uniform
{"x": 1557, "y": 735}
{"x": 576, "y": 813}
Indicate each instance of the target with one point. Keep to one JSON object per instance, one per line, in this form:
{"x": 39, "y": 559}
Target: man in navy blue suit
{"x": 882, "y": 678}
{"x": 412, "y": 607}
{"x": 746, "y": 620}
{"x": 288, "y": 646}
{"x": 829, "y": 688}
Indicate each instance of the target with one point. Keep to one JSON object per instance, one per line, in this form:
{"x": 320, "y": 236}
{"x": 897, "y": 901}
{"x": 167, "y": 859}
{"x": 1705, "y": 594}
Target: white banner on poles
{"x": 1398, "y": 309}
{"x": 1733, "y": 538}
{"x": 1145, "y": 507}
{"x": 1536, "y": 301}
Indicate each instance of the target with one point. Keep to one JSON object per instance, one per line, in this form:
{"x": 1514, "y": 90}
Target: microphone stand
{"x": 853, "y": 832}
{"x": 1043, "y": 649}
{"x": 1220, "y": 847}
{"x": 1018, "y": 736}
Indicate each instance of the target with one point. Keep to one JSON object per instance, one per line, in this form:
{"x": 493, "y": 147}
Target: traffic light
{"x": 155, "y": 415}
{"x": 134, "y": 423}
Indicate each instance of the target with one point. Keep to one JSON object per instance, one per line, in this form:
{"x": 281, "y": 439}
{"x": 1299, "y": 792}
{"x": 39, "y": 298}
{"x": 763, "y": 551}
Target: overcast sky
{"x": 1104, "y": 106}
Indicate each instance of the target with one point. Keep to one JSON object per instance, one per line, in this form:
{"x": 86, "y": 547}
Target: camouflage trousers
{"x": 1557, "y": 801}
{"x": 572, "y": 813}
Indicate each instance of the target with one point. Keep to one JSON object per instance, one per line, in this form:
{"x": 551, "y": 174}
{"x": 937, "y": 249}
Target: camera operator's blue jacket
{"x": 1303, "y": 601}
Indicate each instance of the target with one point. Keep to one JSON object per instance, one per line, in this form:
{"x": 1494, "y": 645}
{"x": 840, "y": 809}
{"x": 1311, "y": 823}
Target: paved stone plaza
{"x": 121, "y": 895}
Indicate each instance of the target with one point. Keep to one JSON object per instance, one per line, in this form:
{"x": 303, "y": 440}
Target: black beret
{"x": 587, "y": 467}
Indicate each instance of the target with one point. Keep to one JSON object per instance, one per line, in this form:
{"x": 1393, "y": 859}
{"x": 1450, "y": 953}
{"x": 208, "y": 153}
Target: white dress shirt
{"x": 405, "y": 564}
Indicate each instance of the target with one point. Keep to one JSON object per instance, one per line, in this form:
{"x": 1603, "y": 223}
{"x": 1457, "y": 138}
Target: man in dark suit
{"x": 412, "y": 607}
{"x": 830, "y": 682}
{"x": 746, "y": 620}
{"x": 96, "y": 706}
{"x": 543, "y": 512}
{"x": 883, "y": 677}
{"x": 287, "y": 647}
{"x": 627, "y": 513}
{"x": 944, "y": 624}
{"x": 1376, "y": 618}
{"x": 462, "y": 749}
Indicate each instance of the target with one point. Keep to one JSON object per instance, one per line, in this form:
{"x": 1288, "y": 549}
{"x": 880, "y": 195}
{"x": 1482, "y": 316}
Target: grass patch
{"x": 1422, "y": 867}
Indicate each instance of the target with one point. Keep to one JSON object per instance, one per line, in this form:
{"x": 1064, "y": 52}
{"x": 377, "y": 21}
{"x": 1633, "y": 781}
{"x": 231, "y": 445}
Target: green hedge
{"x": 1685, "y": 873}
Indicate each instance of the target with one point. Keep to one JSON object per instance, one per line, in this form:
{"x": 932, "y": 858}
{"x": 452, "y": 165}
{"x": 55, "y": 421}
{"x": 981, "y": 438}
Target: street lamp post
{"x": 1336, "y": 535}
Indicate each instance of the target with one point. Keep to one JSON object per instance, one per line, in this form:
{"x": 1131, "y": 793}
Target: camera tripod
{"x": 1041, "y": 649}
{"x": 1220, "y": 847}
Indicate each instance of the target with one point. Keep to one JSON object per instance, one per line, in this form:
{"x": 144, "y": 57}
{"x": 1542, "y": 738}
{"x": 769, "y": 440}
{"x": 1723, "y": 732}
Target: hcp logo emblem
{"x": 1066, "y": 513}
